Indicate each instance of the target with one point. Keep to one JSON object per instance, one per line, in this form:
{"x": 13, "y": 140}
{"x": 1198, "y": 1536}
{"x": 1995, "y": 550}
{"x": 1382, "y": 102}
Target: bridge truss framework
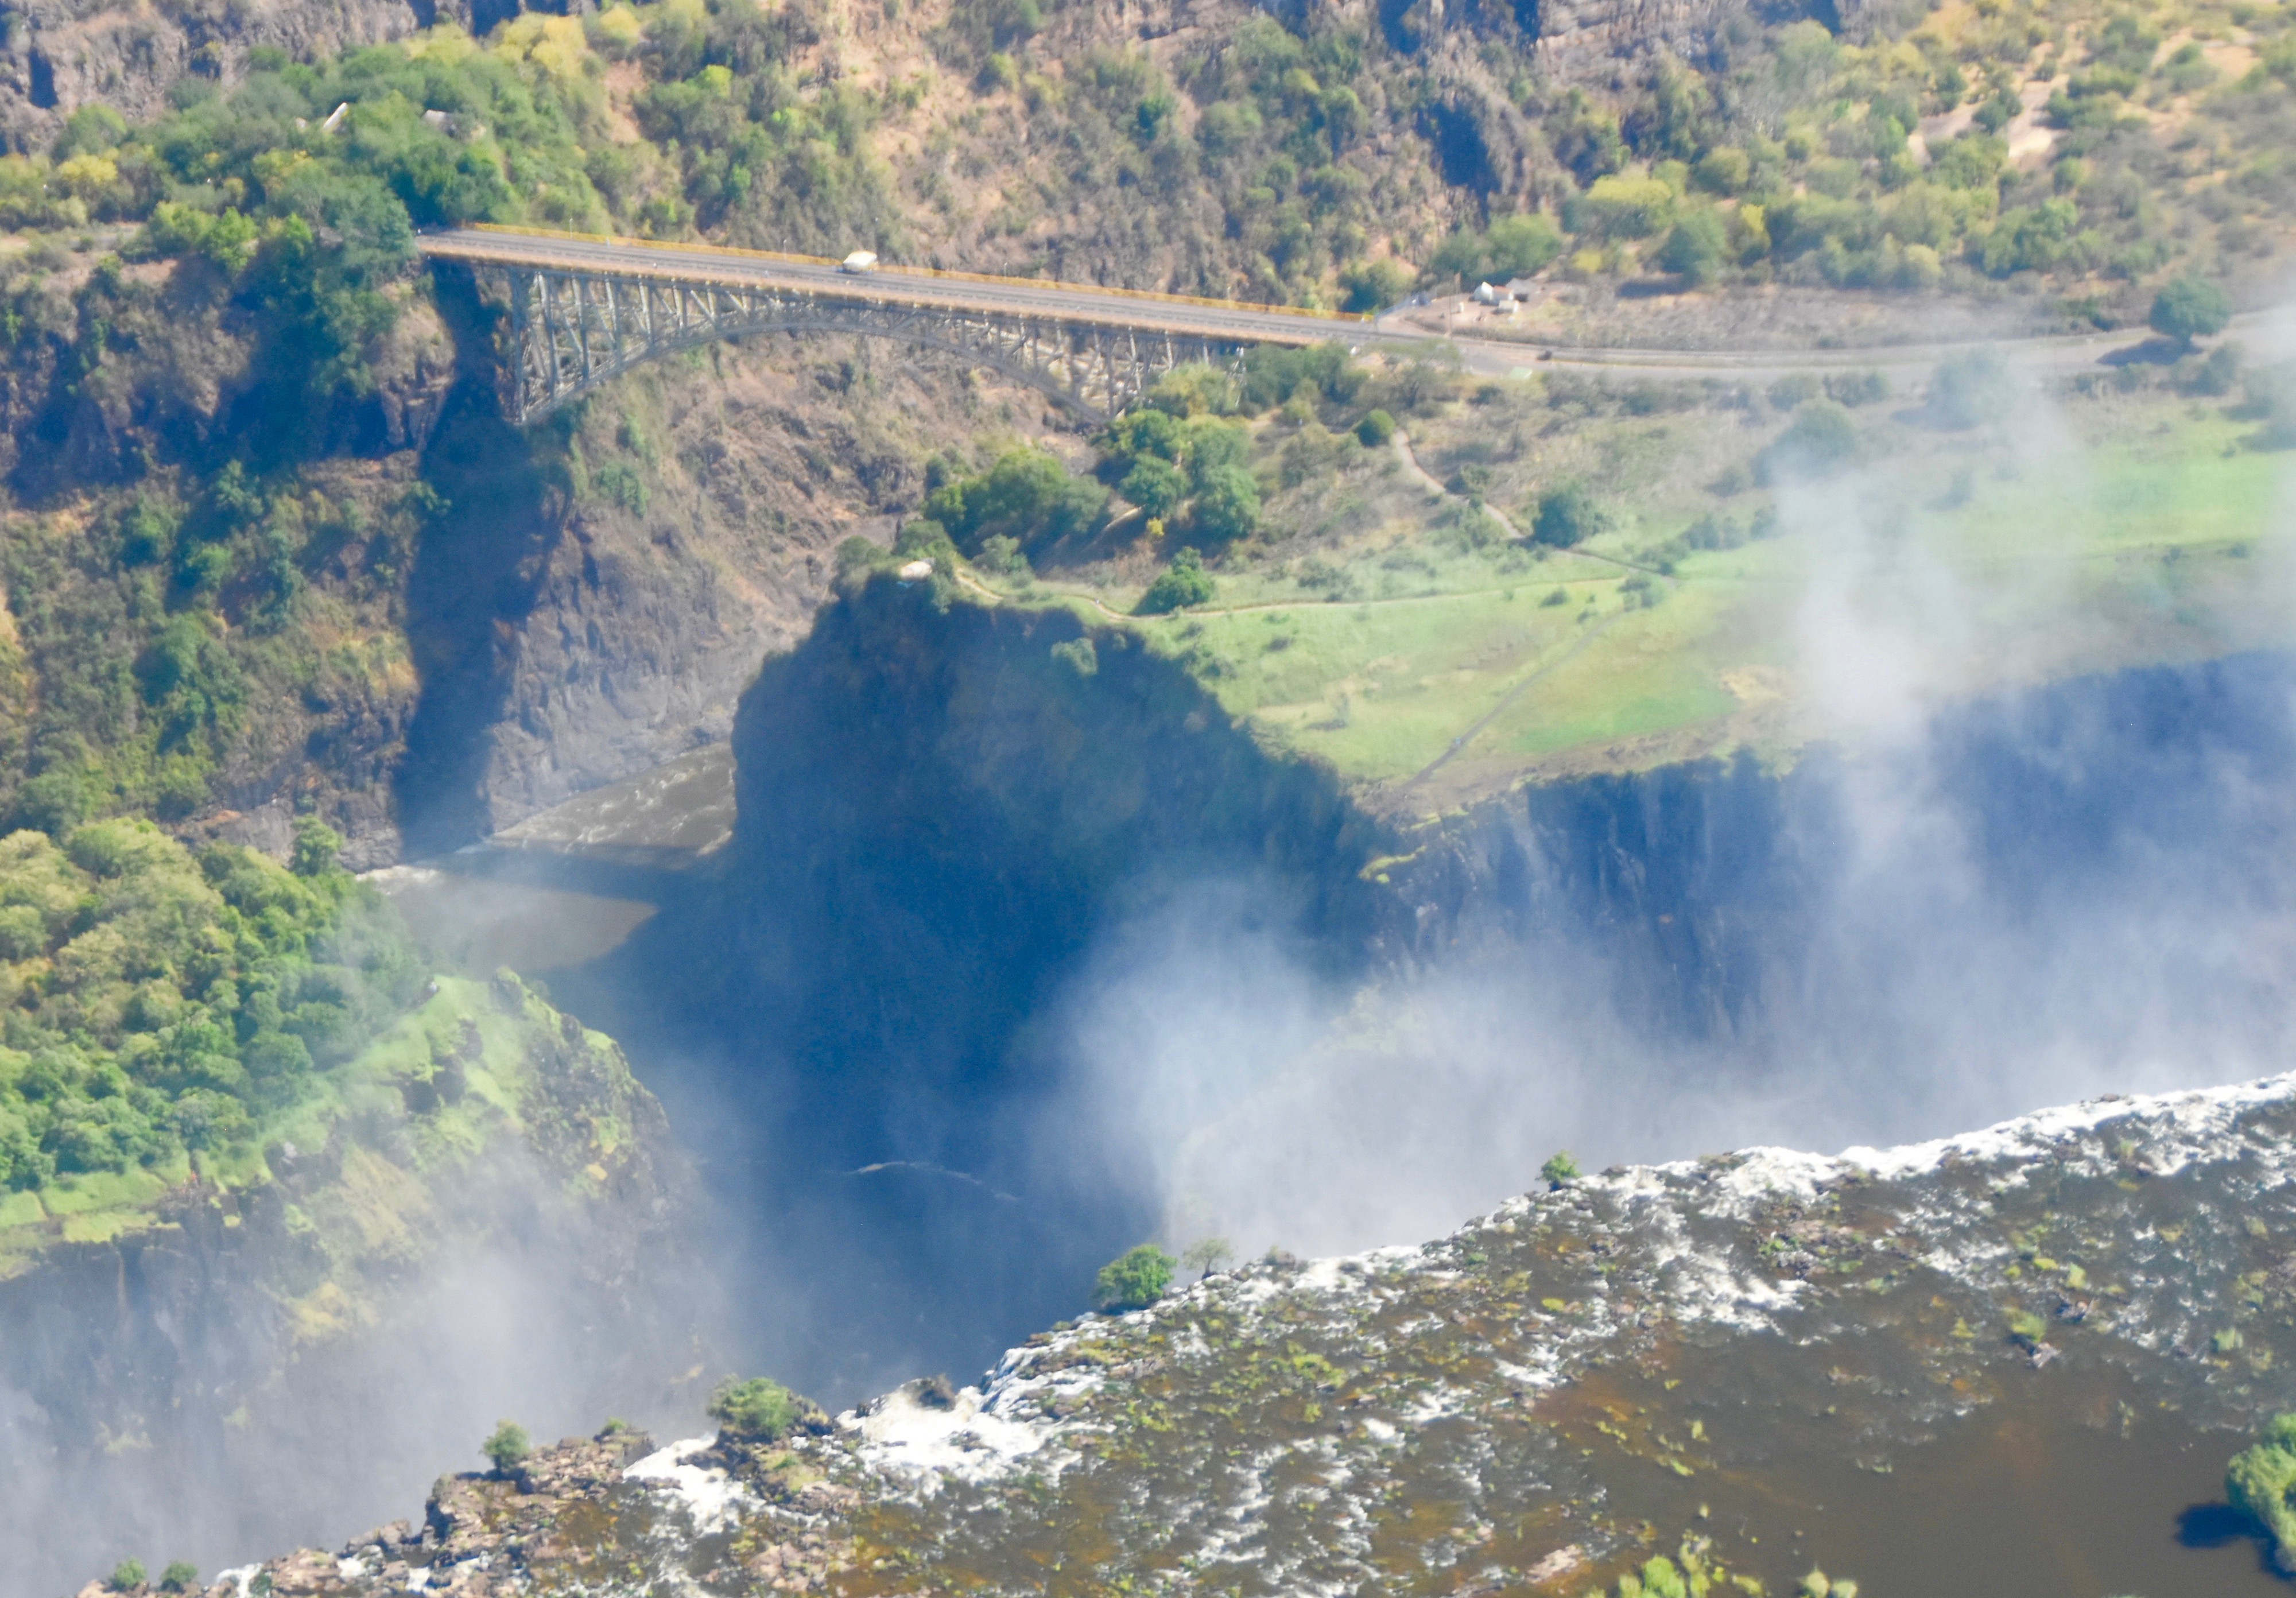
{"x": 572, "y": 329}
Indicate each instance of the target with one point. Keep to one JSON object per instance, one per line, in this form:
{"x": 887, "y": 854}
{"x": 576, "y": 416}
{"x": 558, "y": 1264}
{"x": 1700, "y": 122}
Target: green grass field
{"x": 2109, "y": 530}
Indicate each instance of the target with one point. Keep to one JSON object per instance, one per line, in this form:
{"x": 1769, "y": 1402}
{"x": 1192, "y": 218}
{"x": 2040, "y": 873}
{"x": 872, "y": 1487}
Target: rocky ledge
{"x": 1664, "y": 1362}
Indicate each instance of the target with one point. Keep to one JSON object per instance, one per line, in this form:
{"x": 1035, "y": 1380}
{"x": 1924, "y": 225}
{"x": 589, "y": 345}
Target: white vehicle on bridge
{"x": 859, "y": 261}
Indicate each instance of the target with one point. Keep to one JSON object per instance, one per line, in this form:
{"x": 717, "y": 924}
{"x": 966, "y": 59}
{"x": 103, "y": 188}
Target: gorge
{"x": 1775, "y": 636}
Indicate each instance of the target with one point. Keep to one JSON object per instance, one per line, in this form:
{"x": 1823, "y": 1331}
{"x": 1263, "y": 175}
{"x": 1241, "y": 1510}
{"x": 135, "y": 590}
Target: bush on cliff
{"x": 761, "y": 1409}
{"x": 506, "y": 1446}
{"x": 1134, "y": 1280}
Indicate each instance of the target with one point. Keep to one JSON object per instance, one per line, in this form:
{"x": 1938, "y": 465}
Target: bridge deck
{"x": 1073, "y": 303}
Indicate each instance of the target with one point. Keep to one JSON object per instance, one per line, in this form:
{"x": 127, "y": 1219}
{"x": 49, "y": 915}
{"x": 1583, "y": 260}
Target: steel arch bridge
{"x": 572, "y": 329}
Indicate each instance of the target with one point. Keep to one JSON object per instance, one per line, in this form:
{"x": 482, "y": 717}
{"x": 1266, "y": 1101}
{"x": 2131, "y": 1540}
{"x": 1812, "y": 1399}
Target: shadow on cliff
{"x": 941, "y": 808}
{"x": 478, "y": 572}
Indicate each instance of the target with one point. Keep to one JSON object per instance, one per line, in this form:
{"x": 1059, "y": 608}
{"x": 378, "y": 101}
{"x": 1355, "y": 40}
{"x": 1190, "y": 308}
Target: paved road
{"x": 1162, "y": 313}
{"x": 895, "y": 285}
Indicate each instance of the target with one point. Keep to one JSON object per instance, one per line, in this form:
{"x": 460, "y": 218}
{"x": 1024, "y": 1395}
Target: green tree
{"x": 1156, "y": 486}
{"x": 2261, "y": 1482}
{"x": 1662, "y": 1578}
{"x": 1569, "y": 515}
{"x": 1458, "y": 260}
{"x": 316, "y": 845}
{"x": 90, "y": 130}
{"x": 180, "y": 1575}
{"x": 1227, "y": 505}
{"x": 1182, "y": 583}
{"x": 507, "y": 1446}
{"x": 1207, "y": 1255}
{"x": 128, "y": 1573}
{"x": 1518, "y": 245}
{"x": 1376, "y": 429}
{"x": 1562, "y": 1168}
{"x": 1027, "y": 496}
{"x": 2190, "y": 308}
{"x": 1696, "y": 248}
{"x": 1373, "y": 285}
{"x": 1135, "y": 1279}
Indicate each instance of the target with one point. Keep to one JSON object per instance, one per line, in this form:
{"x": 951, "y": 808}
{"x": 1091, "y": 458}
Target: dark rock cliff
{"x": 944, "y": 810}
{"x": 2016, "y": 839}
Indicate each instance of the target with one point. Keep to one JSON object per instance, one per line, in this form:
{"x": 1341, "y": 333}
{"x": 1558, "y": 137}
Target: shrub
{"x": 2271, "y": 396}
{"x": 758, "y": 1410}
{"x": 1376, "y": 428}
{"x": 1971, "y": 390}
{"x": 1182, "y": 583}
{"x": 2261, "y": 1482}
{"x": 1003, "y": 556}
{"x": 507, "y": 1446}
{"x": 1520, "y": 245}
{"x": 1696, "y": 248}
{"x": 180, "y": 1575}
{"x": 1569, "y": 515}
{"x": 1373, "y": 285}
{"x": 2213, "y": 375}
{"x": 1135, "y": 1279}
{"x": 1795, "y": 389}
{"x": 1156, "y": 486}
{"x": 1627, "y": 207}
{"x": 316, "y": 845}
{"x": 2189, "y": 309}
{"x": 128, "y": 1573}
{"x": 1563, "y": 1166}
{"x": 1028, "y": 495}
{"x": 1207, "y": 1255}
{"x": 1859, "y": 388}
{"x": 1821, "y": 439}
{"x": 1226, "y": 507}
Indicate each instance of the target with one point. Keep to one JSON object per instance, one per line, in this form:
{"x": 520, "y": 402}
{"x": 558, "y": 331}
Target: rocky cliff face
{"x": 479, "y": 627}
{"x": 1744, "y": 1366}
{"x": 61, "y": 55}
{"x": 642, "y": 619}
{"x": 1719, "y": 891}
{"x": 943, "y": 808}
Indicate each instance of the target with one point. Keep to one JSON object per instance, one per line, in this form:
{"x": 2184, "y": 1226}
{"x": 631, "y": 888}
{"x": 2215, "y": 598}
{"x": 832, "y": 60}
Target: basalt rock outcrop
{"x": 1728, "y": 1364}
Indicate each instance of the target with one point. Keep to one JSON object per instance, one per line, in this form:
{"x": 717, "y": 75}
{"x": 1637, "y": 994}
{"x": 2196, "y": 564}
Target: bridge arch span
{"x": 573, "y": 330}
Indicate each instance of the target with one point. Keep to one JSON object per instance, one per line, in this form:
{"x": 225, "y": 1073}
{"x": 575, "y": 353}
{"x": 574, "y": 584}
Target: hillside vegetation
{"x": 162, "y": 1005}
{"x": 1442, "y": 585}
{"x": 176, "y": 1021}
{"x": 259, "y": 543}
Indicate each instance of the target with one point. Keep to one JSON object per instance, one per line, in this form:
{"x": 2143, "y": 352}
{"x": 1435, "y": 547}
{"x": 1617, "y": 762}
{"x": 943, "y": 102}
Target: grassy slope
{"x": 2140, "y": 529}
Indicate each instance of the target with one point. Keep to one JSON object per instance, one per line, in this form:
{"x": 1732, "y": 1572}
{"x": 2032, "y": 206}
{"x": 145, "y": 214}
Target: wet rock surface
{"x": 1693, "y": 1359}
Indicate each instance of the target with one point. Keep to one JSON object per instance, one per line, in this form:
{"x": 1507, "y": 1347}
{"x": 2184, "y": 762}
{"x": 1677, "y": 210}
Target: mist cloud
{"x": 1965, "y": 912}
